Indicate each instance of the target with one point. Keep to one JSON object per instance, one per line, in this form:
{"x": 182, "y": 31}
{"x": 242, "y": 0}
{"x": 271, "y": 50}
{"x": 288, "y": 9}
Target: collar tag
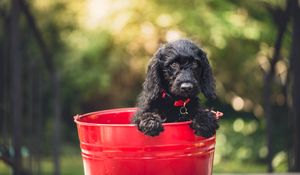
{"x": 178, "y": 103}
{"x": 183, "y": 110}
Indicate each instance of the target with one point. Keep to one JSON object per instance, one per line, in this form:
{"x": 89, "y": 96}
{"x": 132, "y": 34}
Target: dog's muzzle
{"x": 186, "y": 87}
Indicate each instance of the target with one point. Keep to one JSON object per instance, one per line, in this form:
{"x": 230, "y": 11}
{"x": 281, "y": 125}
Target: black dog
{"x": 178, "y": 71}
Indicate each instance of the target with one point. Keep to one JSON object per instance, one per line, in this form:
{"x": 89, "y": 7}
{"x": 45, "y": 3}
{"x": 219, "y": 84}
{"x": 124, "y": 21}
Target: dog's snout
{"x": 186, "y": 87}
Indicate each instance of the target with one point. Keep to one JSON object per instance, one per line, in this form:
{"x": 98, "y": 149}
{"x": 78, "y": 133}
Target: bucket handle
{"x": 77, "y": 117}
{"x": 218, "y": 114}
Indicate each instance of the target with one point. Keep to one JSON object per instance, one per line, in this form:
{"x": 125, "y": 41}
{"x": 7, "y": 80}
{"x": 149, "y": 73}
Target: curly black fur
{"x": 181, "y": 70}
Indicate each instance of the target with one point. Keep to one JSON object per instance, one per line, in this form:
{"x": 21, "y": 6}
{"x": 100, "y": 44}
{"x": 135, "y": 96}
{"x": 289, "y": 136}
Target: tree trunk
{"x": 39, "y": 123}
{"x": 16, "y": 85}
{"x": 4, "y": 71}
{"x": 2, "y": 78}
{"x": 55, "y": 84}
{"x": 5, "y": 84}
{"x": 57, "y": 121}
{"x": 281, "y": 20}
{"x": 295, "y": 64}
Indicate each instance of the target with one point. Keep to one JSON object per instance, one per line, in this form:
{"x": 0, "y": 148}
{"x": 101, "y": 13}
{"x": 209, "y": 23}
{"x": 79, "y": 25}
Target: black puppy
{"x": 177, "y": 73}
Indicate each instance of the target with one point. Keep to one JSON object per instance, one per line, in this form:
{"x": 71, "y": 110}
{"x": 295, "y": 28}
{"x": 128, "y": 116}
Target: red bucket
{"x": 110, "y": 145}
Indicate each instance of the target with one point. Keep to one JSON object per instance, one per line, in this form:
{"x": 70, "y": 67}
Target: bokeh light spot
{"x": 238, "y": 125}
{"x": 237, "y": 103}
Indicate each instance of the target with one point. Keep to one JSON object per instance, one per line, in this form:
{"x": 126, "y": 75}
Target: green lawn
{"x": 72, "y": 165}
{"x": 4, "y": 169}
{"x": 239, "y": 167}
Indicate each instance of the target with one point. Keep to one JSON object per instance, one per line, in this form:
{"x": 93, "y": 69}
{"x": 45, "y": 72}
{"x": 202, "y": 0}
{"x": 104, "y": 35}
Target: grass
{"x": 240, "y": 148}
{"x": 235, "y": 166}
{"x": 72, "y": 165}
{"x": 236, "y": 152}
{"x": 4, "y": 169}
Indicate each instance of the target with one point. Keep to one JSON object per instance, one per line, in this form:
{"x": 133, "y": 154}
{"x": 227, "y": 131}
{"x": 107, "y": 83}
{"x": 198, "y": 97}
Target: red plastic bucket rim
{"x": 117, "y": 110}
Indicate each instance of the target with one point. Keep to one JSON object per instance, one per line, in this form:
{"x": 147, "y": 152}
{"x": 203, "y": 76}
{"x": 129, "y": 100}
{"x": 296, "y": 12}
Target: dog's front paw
{"x": 151, "y": 124}
{"x": 205, "y": 125}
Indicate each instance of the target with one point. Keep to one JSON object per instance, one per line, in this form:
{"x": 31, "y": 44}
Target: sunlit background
{"x": 101, "y": 49}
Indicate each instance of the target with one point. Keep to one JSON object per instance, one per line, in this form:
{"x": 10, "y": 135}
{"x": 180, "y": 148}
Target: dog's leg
{"x": 149, "y": 123}
{"x": 204, "y": 123}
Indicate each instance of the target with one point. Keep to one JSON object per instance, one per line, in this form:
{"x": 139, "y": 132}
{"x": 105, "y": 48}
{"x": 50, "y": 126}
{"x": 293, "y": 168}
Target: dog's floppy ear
{"x": 207, "y": 81}
{"x": 152, "y": 85}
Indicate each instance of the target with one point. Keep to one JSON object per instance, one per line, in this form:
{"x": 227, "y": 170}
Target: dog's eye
{"x": 195, "y": 64}
{"x": 174, "y": 65}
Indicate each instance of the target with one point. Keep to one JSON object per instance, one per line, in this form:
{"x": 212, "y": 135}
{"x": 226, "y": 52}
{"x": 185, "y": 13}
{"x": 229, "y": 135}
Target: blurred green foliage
{"x": 102, "y": 49}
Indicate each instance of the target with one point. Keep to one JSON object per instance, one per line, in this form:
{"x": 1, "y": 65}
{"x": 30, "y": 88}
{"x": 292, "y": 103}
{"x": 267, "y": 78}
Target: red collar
{"x": 180, "y": 103}
{"x": 177, "y": 103}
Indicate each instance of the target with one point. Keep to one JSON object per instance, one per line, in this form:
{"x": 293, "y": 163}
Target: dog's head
{"x": 182, "y": 69}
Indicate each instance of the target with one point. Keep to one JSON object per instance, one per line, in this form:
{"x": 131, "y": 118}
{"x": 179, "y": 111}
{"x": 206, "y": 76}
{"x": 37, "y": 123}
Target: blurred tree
{"x": 295, "y": 72}
{"x": 21, "y": 46}
{"x": 55, "y": 84}
{"x": 17, "y": 85}
{"x": 280, "y": 18}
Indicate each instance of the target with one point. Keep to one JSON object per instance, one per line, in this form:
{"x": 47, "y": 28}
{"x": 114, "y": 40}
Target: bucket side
{"x": 121, "y": 149}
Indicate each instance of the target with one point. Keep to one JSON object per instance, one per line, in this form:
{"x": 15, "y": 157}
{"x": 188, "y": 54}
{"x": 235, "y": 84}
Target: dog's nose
{"x": 186, "y": 87}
